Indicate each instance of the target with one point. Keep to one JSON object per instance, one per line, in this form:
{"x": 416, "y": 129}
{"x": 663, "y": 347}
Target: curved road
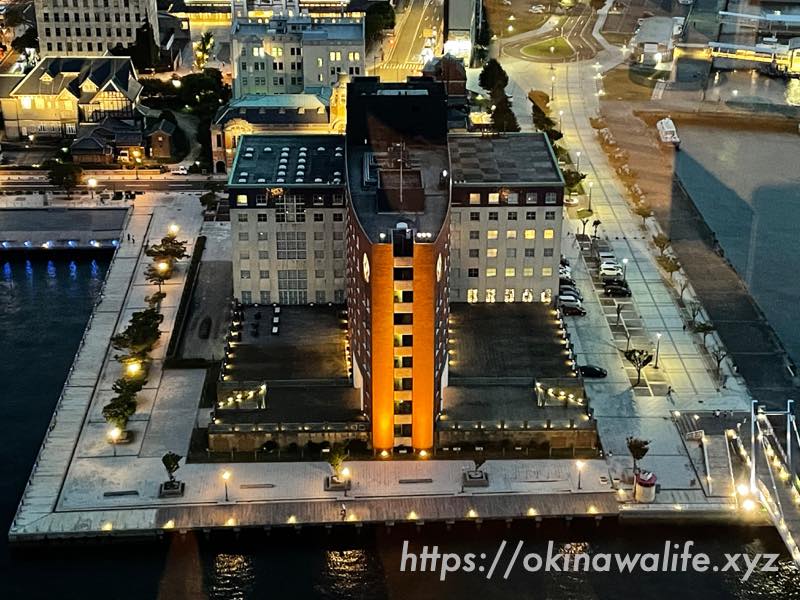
{"x": 576, "y": 29}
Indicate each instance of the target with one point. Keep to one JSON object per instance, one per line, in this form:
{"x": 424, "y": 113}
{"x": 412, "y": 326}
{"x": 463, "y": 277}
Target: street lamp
{"x": 226, "y": 475}
{"x": 552, "y": 54}
{"x": 624, "y": 269}
{"x": 552, "y": 88}
{"x": 579, "y": 464}
{"x": 560, "y": 120}
{"x": 173, "y": 230}
{"x": 591, "y": 185}
{"x": 92, "y": 183}
{"x": 133, "y": 368}
{"x": 114, "y": 435}
{"x": 658, "y": 347}
{"x": 578, "y": 161}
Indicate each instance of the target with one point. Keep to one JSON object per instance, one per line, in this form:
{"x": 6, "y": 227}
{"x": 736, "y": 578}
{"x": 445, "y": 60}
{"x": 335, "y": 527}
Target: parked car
{"x": 564, "y": 261}
{"x": 536, "y": 10}
{"x": 592, "y": 371}
{"x": 569, "y": 299}
{"x": 565, "y": 271}
{"x": 617, "y": 291}
{"x": 569, "y": 290}
{"x": 618, "y": 281}
{"x": 609, "y": 264}
{"x": 611, "y": 272}
{"x": 573, "y": 311}
{"x": 180, "y": 171}
{"x": 566, "y": 281}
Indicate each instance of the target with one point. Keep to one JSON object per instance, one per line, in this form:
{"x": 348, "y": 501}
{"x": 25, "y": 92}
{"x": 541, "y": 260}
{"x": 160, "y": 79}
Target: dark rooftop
{"x": 310, "y": 346}
{"x": 288, "y": 161}
{"x": 506, "y": 340}
{"x": 514, "y": 158}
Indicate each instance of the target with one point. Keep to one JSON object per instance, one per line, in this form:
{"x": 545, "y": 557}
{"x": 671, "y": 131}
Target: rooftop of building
{"x": 513, "y": 158}
{"x": 83, "y": 77}
{"x": 654, "y": 30}
{"x": 498, "y": 352}
{"x": 309, "y": 346}
{"x": 341, "y": 29}
{"x": 304, "y": 366}
{"x": 309, "y": 107}
{"x": 289, "y": 161}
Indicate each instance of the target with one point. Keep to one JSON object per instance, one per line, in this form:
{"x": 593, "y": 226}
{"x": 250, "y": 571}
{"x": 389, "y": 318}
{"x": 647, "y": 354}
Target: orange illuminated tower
{"x": 398, "y": 256}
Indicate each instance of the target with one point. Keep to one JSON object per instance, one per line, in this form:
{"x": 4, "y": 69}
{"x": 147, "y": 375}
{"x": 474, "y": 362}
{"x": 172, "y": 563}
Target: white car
{"x": 180, "y": 171}
{"x": 610, "y": 270}
{"x": 507, "y": 2}
{"x": 536, "y": 10}
{"x": 610, "y": 264}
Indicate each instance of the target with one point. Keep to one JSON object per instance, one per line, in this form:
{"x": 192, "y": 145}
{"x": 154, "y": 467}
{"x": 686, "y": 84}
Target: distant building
{"x": 159, "y": 137}
{"x": 653, "y": 42}
{"x": 67, "y": 29}
{"x": 59, "y": 94}
{"x": 287, "y": 54}
{"x": 460, "y": 27}
{"x": 316, "y": 110}
{"x": 107, "y": 141}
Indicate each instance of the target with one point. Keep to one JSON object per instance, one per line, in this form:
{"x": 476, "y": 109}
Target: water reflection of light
{"x": 346, "y": 571}
{"x": 793, "y": 92}
{"x": 73, "y": 270}
{"x": 28, "y": 269}
{"x": 7, "y": 271}
{"x": 51, "y": 269}
{"x": 233, "y": 576}
{"x": 95, "y": 269}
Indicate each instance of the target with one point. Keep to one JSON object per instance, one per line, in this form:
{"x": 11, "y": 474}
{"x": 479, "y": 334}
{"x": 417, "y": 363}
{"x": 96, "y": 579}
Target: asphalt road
{"x": 576, "y": 28}
{"x": 403, "y": 55}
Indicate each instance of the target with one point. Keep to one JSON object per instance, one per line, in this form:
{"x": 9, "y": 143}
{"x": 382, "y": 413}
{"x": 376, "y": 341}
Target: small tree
{"x": 493, "y": 77}
{"x": 718, "y": 354}
{"x": 595, "y": 224}
{"x": 128, "y": 388}
{"x": 29, "y": 39}
{"x": 639, "y": 359}
{"x": 336, "y": 458}
{"x": 140, "y": 335}
{"x": 119, "y": 411}
{"x": 703, "y": 329}
{"x": 208, "y": 200}
{"x": 644, "y": 210}
{"x": 670, "y": 264}
{"x": 661, "y": 242}
{"x": 170, "y": 249}
{"x": 684, "y": 285}
{"x": 203, "y": 49}
{"x": 638, "y": 449}
{"x": 64, "y": 175}
{"x": 158, "y": 275}
{"x": 572, "y": 178}
{"x": 171, "y": 462}
{"x": 694, "y": 310}
{"x": 503, "y": 118}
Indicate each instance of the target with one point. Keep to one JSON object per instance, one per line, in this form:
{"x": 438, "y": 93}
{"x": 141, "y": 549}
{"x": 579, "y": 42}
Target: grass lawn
{"x": 542, "y": 49}
{"x": 497, "y": 15}
{"x": 631, "y": 83}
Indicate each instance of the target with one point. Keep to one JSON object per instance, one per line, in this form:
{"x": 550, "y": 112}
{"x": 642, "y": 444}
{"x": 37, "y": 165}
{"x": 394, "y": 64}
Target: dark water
{"x": 44, "y": 306}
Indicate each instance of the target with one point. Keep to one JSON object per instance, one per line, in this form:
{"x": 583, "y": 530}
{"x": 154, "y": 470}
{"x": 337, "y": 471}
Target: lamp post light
{"x": 552, "y": 88}
{"x": 560, "y": 120}
{"x": 578, "y": 161}
{"x": 133, "y": 368}
{"x": 226, "y": 475}
{"x": 552, "y": 54}
{"x": 92, "y": 183}
{"x": 114, "y": 435}
{"x": 579, "y": 464}
{"x": 173, "y": 230}
{"x": 591, "y": 185}
{"x": 624, "y": 269}
{"x": 658, "y": 347}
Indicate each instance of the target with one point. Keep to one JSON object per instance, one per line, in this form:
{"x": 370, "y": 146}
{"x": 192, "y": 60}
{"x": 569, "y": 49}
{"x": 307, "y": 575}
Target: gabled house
{"x": 62, "y": 93}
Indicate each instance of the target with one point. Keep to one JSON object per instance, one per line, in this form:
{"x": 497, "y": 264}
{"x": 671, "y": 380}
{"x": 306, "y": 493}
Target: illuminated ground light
{"x": 423, "y": 454}
{"x": 231, "y": 522}
{"x": 291, "y": 520}
{"x": 472, "y": 514}
{"x": 351, "y": 517}
{"x": 412, "y": 516}
{"x": 532, "y": 512}
{"x": 107, "y": 526}
{"x": 749, "y": 505}
{"x": 170, "y": 524}
{"x": 384, "y": 454}
{"x": 592, "y": 510}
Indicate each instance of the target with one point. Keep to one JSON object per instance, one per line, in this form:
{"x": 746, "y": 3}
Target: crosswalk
{"x": 405, "y": 66}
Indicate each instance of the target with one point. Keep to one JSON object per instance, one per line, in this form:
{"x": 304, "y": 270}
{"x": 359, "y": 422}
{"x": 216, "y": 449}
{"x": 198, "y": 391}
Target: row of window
{"x": 264, "y": 274}
{"x": 509, "y": 272}
{"x": 319, "y": 217}
{"x": 319, "y": 236}
{"x": 318, "y": 200}
{"x": 76, "y": 17}
{"x": 85, "y": 3}
{"x": 549, "y": 215}
{"x": 510, "y": 252}
{"x": 264, "y": 296}
{"x": 264, "y": 254}
{"x": 513, "y": 197}
{"x": 511, "y": 234}
{"x": 90, "y": 46}
{"x": 509, "y": 295}
{"x": 88, "y": 30}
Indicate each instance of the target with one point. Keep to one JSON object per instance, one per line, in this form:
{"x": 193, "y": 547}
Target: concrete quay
{"x": 57, "y": 228}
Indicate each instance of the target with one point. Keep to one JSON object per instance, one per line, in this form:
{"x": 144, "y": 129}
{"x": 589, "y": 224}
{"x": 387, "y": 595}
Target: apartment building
{"x": 287, "y": 198}
{"x": 91, "y": 27}
{"x": 507, "y": 205}
{"x": 286, "y": 54}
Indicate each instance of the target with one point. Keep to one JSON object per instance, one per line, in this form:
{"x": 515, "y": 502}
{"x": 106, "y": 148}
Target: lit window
{"x": 509, "y": 295}
{"x": 241, "y": 200}
{"x": 527, "y": 272}
{"x": 548, "y": 234}
{"x": 490, "y": 295}
{"x": 26, "y": 102}
{"x": 547, "y": 271}
{"x": 511, "y": 272}
{"x": 491, "y": 272}
{"x": 494, "y": 198}
{"x": 473, "y": 198}
{"x": 530, "y": 234}
{"x": 319, "y": 62}
{"x": 527, "y": 295}
{"x": 491, "y": 252}
{"x": 492, "y": 234}
{"x": 472, "y": 295}
{"x": 511, "y": 234}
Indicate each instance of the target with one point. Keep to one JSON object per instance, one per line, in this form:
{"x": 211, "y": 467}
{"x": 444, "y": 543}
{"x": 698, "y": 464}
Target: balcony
{"x": 403, "y": 329}
{"x": 404, "y": 286}
{"x": 400, "y": 395}
{"x": 403, "y": 351}
{"x": 403, "y": 261}
{"x": 402, "y": 419}
{"x": 402, "y": 372}
{"x": 403, "y": 307}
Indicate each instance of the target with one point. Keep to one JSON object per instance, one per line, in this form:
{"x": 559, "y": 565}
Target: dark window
{"x": 472, "y": 272}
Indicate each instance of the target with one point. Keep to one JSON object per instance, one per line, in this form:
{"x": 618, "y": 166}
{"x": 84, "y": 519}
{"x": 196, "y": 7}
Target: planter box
{"x": 171, "y": 489}
{"x": 333, "y": 484}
